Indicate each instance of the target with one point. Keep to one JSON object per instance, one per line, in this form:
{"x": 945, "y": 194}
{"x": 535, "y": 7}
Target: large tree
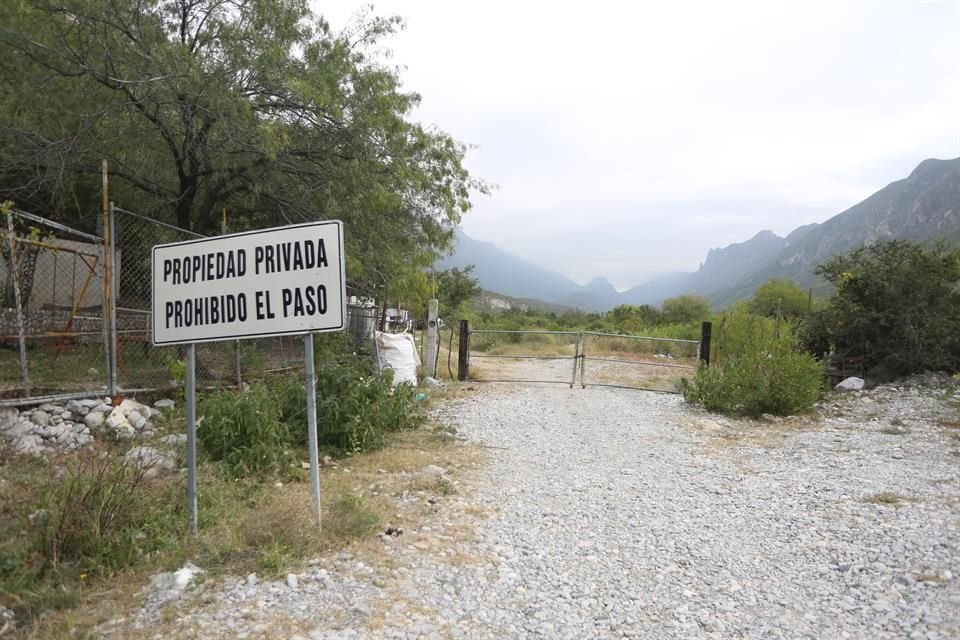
{"x": 255, "y": 106}
{"x": 896, "y": 304}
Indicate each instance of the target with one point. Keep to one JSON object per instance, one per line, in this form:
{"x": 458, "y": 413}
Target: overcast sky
{"x": 628, "y": 138}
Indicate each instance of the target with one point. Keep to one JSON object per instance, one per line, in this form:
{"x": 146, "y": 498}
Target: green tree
{"x": 780, "y": 298}
{"x": 685, "y": 308}
{"x": 896, "y": 304}
{"x": 255, "y": 106}
{"x": 631, "y": 318}
{"x": 455, "y": 286}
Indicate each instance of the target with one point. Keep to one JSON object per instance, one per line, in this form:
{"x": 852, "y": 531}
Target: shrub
{"x": 777, "y": 379}
{"x": 244, "y": 430}
{"x": 355, "y": 409}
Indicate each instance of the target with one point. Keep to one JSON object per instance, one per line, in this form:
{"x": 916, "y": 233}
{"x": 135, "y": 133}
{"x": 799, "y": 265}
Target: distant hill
{"x": 925, "y": 205}
{"x": 499, "y": 271}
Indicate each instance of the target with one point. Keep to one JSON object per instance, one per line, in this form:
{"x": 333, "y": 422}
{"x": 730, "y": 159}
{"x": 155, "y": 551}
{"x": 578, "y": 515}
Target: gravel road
{"x": 619, "y": 514}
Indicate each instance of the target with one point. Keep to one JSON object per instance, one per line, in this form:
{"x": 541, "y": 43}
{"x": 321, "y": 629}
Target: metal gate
{"x": 524, "y": 356}
{"x": 599, "y": 359}
{"x": 636, "y": 362}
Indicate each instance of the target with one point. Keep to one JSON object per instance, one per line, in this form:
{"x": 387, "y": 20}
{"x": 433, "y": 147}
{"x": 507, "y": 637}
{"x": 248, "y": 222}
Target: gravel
{"x": 625, "y": 514}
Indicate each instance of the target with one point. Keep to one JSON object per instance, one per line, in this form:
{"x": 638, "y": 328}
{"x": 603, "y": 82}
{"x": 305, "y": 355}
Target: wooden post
{"x": 463, "y": 355}
{"x": 706, "y": 329}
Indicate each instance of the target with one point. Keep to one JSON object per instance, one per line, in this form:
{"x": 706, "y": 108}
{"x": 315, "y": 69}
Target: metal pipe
{"x": 553, "y": 333}
{"x": 21, "y": 330}
{"x": 161, "y": 224}
{"x": 191, "y": 398}
{"x": 33, "y": 400}
{"x": 113, "y": 306}
{"x": 105, "y": 244}
{"x": 311, "y": 382}
{"x": 621, "y": 335}
{"x": 645, "y": 363}
{"x": 57, "y": 225}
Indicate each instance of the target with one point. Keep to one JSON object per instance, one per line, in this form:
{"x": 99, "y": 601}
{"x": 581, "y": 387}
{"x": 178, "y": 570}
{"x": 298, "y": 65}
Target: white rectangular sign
{"x": 281, "y": 281}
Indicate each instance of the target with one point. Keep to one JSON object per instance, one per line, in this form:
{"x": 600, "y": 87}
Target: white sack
{"x": 398, "y": 352}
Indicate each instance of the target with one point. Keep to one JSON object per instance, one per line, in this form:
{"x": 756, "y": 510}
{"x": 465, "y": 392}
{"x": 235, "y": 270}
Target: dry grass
{"x": 273, "y": 532}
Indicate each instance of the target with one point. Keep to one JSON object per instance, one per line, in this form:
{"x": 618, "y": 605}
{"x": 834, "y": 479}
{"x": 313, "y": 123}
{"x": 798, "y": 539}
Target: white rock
{"x": 169, "y": 585}
{"x": 94, "y": 419}
{"x": 8, "y": 417}
{"x": 850, "y": 384}
{"x": 89, "y": 403}
{"x": 292, "y": 581}
{"x": 28, "y": 444}
{"x": 75, "y": 406}
{"x": 152, "y": 461}
{"x": 121, "y": 427}
{"x": 175, "y": 440}
{"x": 164, "y": 403}
{"x": 433, "y": 470}
{"x": 24, "y": 427}
{"x": 40, "y": 418}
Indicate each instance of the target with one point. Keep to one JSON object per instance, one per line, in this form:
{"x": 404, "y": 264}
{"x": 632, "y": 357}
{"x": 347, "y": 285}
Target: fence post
{"x": 576, "y": 359}
{"x": 463, "y": 354}
{"x": 21, "y": 329}
{"x": 114, "y": 291}
{"x": 706, "y": 329}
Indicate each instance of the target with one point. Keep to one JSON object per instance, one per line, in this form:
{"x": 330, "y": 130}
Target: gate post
{"x": 463, "y": 353}
{"x": 576, "y": 359}
{"x": 706, "y": 329}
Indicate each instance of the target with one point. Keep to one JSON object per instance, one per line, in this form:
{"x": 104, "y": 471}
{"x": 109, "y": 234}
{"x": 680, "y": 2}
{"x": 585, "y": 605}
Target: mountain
{"x": 499, "y": 271}
{"x": 925, "y": 205}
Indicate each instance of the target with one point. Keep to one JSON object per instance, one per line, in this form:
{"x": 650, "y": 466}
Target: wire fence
{"x": 595, "y": 359}
{"x": 52, "y": 336}
{"x": 75, "y": 315}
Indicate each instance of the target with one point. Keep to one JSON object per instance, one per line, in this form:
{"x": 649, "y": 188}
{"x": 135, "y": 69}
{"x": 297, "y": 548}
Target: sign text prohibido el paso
{"x": 282, "y": 281}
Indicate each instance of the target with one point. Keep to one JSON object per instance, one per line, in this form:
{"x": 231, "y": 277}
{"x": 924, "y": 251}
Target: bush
{"x": 244, "y": 430}
{"x": 355, "y": 409}
{"x": 777, "y": 380}
{"x": 258, "y": 430}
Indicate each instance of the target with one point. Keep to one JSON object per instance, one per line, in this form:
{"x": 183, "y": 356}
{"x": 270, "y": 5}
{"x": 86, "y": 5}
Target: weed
{"x": 884, "y": 497}
{"x": 351, "y": 517}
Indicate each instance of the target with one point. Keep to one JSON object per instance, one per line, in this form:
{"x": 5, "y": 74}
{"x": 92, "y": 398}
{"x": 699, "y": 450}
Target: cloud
{"x": 687, "y": 124}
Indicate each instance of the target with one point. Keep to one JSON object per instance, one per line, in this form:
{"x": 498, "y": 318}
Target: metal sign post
{"x": 311, "y": 383}
{"x": 191, "y": 392}
{"x": 281, "y": 281}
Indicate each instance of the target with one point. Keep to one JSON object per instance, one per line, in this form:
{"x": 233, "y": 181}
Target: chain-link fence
{"x": 75, "y": 315}
{"x": 51, "y": 308}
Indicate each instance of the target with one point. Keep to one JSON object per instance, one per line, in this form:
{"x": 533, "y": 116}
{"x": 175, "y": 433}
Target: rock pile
{"x": 72, "y": 425}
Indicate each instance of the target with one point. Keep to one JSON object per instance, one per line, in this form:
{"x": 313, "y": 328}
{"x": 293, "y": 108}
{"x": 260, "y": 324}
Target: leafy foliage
{"x": 780, "y": 298}
{"x": 258, "y": 430}
{"x": 896, "y": 304}
{"x": 777, "y": 379}
{"x": 685, "y": 308}
{"x": 244, "y": 430}
{"x": 256, "y": 107}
